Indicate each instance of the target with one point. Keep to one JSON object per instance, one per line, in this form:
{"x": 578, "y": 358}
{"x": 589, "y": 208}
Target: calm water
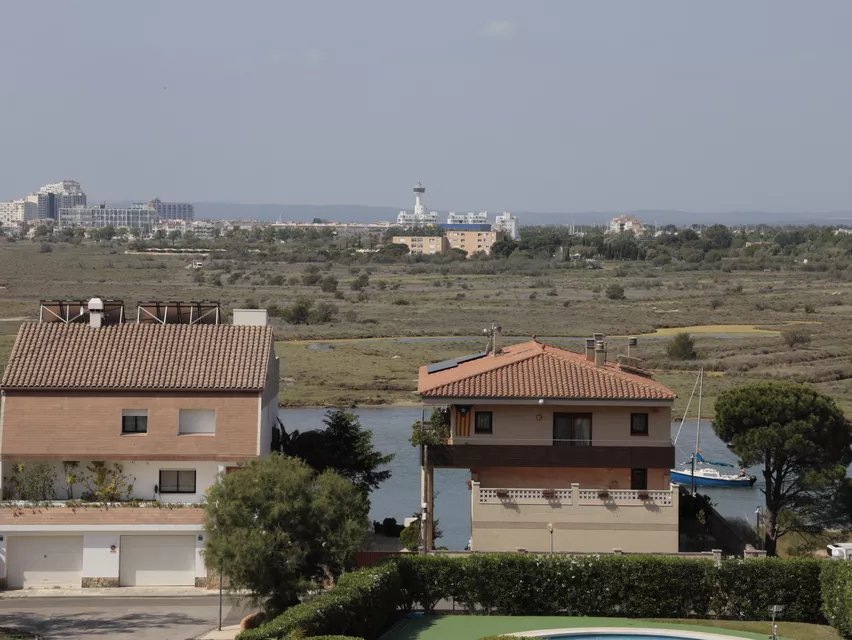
{"x": 399, "y": 497}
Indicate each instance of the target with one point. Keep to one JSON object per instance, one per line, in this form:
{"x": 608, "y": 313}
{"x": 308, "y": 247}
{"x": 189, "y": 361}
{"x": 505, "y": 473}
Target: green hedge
{"x": 836, "y": 582}
{"x": 333, "y": 638}
{"x": 365, "y": 602}
{"x": 360, "y": 605}
{"x": 747, "y": 588}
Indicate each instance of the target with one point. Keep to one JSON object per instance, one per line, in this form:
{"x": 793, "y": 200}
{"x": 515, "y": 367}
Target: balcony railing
{"x": 573, "y": 496}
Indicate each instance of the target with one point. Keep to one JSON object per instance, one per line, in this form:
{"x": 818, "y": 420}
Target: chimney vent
{"x": 496, "y": 339}
{"x": 96, "y": 313}
{"x": 632, "y": 343}
{"x": 600, "y": 353}
{"x": 598, "y": 337}
{"x": 590, "y": 349}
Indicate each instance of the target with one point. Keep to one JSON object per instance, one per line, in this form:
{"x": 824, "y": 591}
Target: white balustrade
{"x": 524, "y": 496}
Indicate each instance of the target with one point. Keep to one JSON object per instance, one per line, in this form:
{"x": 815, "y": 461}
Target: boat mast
{"x": 698, "y": 428}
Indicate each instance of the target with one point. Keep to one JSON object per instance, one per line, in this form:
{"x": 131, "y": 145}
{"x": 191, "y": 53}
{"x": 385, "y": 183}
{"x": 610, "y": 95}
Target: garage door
{"x": 157, "y": 561}
{"x": 44, "y": 561}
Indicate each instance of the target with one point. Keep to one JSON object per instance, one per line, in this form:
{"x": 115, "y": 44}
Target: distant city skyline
{"x": 547, "y": 107}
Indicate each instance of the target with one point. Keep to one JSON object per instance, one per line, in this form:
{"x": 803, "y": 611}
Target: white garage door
{"x": 44, "y": 561}
{"x": 157, "y": 561}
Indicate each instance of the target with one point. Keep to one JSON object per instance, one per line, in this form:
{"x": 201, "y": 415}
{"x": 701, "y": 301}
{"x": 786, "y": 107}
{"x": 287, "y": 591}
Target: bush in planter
{"x": 836, "y": 583}
{"x": 747, "y": 588}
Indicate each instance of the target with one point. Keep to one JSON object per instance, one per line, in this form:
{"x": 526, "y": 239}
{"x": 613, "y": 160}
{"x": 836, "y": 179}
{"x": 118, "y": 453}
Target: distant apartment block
{"x": 625, "y": 224}
{"x": 423, "y": 244}
{"x": 473, "y": 241}
{"x": 508, "y": 224}
{"x": 467, "y": 218}
{"x": 136, "y": 216}
{"x": 13, "y": 213}
{"x": 173, "y": 210}
{"x": 51, "y": 198}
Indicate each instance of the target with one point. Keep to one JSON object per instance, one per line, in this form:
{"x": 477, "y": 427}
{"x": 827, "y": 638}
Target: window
{"x": 134, "y": 421}
{"x": 192, "y": 421}
{"x": 638, "y": 424}
{"x": 483, "y": 422}
{"x": 572, "y": 429}
{"x": 639, "y": 479}
{"x": 182, "y": 481}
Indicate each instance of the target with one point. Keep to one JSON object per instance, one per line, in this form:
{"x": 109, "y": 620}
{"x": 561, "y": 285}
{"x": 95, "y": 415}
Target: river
{"x": 399, "y": 497}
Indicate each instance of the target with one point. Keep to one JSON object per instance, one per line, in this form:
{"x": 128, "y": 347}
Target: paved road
{"x": 120, "y": 618}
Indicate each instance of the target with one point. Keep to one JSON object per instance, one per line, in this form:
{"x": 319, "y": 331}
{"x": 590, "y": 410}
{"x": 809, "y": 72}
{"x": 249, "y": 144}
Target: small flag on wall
{"x": 463, "y": 420}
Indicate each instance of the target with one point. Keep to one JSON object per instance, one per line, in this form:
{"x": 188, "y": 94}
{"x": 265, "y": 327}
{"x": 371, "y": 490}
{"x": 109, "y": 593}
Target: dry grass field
{"x": 737, "y": 318}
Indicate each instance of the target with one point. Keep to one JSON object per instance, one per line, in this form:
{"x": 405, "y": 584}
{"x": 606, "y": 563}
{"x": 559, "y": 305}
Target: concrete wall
{"x": 269, "y": 409}
{"x": 558, "y": 478}
{"x": 143, "y": 475}
{"x": 87, "y": 425}
{"x": 533, "y": 424}
{"x": 588, "y": 525}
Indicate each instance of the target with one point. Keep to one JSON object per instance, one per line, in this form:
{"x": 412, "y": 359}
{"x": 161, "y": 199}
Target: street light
{"x": 757, "y": 514}
{"x": 550, "y": 529}
{"x": 775, "y": 609}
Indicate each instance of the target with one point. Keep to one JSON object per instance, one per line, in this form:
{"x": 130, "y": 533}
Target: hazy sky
{"x": 537, "y": 106}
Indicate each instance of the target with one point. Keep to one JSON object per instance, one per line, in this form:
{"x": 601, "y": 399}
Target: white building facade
{"x": 136, "y": 216}
{"x": 419, "y": 216}
{"x": 173, "y": 210}
{"x": 508, "y": 224}
{"x": 15, "y": 212}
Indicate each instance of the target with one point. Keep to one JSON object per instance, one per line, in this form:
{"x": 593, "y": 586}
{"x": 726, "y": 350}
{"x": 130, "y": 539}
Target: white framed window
{"x": 134, "y": 421}
{"x": 195, "y": 421}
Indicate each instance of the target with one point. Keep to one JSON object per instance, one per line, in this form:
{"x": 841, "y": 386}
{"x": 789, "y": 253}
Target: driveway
{"x": 122, "y": 618}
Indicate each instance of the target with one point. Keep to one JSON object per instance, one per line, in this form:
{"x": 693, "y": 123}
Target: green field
{"x": 475, "y": 627}
{"x": 412, "y": 300}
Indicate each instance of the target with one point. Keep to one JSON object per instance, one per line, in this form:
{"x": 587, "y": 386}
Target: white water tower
{"x": 419, "y": 207}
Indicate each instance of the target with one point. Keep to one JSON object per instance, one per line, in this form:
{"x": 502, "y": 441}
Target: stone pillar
{"x": 575, "y": 494}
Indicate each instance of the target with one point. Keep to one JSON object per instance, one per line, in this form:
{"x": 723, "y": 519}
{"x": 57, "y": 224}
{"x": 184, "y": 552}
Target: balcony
{"x": 615, "y": 455}
{"x": 574, "y": 520}
{"x": 74, "y": 514}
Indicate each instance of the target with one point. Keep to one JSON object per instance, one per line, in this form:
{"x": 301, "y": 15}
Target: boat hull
{"x": 686, "y": 478}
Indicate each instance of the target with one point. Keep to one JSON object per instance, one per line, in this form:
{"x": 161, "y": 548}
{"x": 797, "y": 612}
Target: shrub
{"x": 615, "y": 292}
{"x": 402, "y": 301}
{"x": 360, "y": 605}
{"x": 809, "y": 308}
{"x": 794, "y": 337}
{"x": 747, "y": 588}
{"x": 328, "y": 284}
{"x": 836, "y": 585}
{"x": 426, "y": 580}
{"x": 681, "y": 347}
{"x": 715, "y": 303}
{"x": 322, "y": 313}
{"x": 45, "y": 248}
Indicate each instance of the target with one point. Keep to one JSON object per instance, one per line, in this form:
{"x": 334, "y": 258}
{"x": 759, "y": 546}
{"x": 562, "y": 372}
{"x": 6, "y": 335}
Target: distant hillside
{"x": 366, "y": 213}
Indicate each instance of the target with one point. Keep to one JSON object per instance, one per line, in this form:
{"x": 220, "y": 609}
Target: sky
{"x": 550, "y": 106}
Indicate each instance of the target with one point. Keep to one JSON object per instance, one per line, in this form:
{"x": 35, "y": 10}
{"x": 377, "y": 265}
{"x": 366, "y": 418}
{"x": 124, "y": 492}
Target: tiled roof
{"x": 534, "y": 370}
{"x": 139, "y": 356}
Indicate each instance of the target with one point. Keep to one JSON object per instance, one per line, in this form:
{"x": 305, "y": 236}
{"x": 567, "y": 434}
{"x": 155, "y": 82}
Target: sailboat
{"x": 698, "y": 470}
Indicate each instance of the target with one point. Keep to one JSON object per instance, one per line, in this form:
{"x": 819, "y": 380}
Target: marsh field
{"x": 335, "y": 324}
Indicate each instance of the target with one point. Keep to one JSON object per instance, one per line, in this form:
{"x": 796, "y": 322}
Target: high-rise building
{"x": 174, "y": 210}
{"x": 419, "y": 216}
{"x": 139, "y": 216}
{"x": 467, "y": 218}
{"x": 60, "y": 195}
{"x": 508, "y": 224}
{"x": 13, "y": 213}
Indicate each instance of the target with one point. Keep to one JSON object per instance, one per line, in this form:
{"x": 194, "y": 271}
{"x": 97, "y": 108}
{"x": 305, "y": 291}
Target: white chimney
{"x": 254, "y": 317}
{"x": 600, "y": 353}
{"x": 497, "y": 339}
{"x": 590, "y": 349}
{"x": 96, "y": 313}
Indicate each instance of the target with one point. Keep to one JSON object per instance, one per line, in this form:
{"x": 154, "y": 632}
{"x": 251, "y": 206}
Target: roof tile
{"x": 139, "y": 356}
{"x": 534, "y": 370}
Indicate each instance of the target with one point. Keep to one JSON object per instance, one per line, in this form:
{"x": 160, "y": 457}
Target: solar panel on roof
{"x": 453, "y": 363}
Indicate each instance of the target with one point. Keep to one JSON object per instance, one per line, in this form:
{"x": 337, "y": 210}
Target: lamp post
{"x": 757, "y": 514}
{"x": 775, "y": 609}
{"x": 550, "y": 530}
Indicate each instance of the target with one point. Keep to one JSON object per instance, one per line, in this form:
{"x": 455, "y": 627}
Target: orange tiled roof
{"x": 535, "y": 370}
{"x": 139, "y": 356}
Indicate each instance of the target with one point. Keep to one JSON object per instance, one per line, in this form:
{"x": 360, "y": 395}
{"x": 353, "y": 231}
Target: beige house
{"x": 472, "y": 242}
{"x": 423, "y": 244}
{"x": 174, "y": 405}
{"x": 567, "y": 452}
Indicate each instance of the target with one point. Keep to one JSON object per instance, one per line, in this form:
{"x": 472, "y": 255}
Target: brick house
{"x": 567, "y": 452}
{"x": 173, "y": 405}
